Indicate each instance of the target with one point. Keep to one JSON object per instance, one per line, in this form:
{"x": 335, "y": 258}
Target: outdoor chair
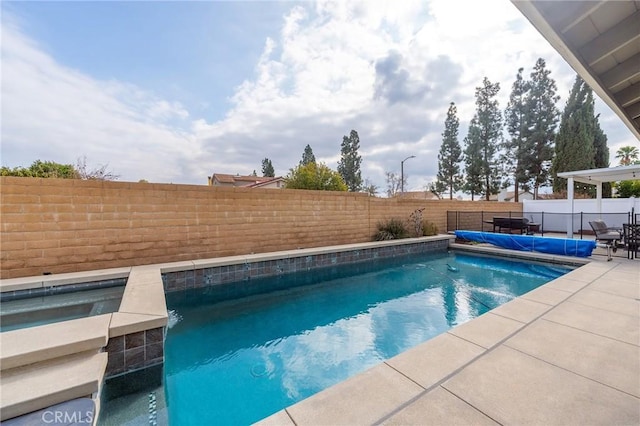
{"x": 631, "y": 234}
{"x": 609, "y": 236}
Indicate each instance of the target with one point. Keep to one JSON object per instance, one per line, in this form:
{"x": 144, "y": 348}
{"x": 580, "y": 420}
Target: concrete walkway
{"x": 567, "y": 353}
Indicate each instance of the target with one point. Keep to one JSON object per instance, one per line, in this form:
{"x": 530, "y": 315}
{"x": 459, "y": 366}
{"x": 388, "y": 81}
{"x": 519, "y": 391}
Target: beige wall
{"x": 57, "y": 225}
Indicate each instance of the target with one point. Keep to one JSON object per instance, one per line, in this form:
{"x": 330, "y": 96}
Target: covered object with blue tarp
{"x": 562, "y": 246}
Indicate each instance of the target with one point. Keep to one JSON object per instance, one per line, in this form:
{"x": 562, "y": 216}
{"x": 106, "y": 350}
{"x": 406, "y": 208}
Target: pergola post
{"x": 599, "y": 199}
{"x": 570, "y": 198}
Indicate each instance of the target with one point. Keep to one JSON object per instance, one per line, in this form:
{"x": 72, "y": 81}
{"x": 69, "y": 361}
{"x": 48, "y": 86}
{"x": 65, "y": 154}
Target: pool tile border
{"x": 245, "y": 268}
{"x": 61, "y": 289}
{"x": 55, "y": 280}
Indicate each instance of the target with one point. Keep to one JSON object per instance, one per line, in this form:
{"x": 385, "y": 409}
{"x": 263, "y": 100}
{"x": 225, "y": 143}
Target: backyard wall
{"x": 60, "y": 225}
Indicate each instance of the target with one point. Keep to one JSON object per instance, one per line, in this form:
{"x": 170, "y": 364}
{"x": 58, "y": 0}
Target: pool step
{"x": 47, "y": 342}
{"x": 32, "y": 387}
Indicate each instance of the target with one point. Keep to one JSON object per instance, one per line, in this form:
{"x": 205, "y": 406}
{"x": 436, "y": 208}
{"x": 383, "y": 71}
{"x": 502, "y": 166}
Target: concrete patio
{"x": 567, "y": 353}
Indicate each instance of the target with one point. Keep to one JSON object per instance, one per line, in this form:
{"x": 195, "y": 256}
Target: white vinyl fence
{"x": 555, "y": 215}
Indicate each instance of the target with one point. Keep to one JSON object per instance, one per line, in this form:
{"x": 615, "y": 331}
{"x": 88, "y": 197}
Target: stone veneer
{"x": 212, "y": 276}
{"x": 135, "y": 351}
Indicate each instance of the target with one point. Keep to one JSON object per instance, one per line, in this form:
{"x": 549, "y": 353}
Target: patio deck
{"x": 566, "y": 353}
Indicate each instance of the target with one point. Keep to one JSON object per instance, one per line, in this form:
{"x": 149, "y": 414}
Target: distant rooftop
{"x": 418, "y": 195}
{"x": 222, "y": 179}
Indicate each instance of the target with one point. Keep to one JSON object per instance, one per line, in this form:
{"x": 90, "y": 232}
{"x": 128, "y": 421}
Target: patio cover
{"x": 597, "y": 177}
{"x": 601, "y": 41}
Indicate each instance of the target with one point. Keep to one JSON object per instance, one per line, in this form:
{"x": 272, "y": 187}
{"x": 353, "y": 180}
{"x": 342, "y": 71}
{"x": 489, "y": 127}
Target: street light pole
{"x": 402, "y": 172}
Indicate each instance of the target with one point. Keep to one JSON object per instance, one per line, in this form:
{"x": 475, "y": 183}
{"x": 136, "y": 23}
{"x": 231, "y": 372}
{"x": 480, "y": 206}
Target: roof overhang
{"x": 611, "y": 174}
{"x": 600, "y": 40}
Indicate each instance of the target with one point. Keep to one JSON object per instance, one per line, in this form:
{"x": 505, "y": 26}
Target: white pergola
{"x": 597, "y": 177}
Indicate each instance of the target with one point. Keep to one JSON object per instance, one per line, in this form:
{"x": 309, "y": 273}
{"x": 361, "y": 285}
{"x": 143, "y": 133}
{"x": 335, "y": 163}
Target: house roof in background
{"x": 243, "y": 180}
{"x": 269, "y": 181}
{"x": 601, "y": 42}
{"x": 509, "y": 195}
{"x": 418, "y": 195}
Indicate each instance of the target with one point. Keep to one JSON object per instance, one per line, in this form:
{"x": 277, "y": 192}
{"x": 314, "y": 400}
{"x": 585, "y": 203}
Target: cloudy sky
{"x": 176, "y": 91}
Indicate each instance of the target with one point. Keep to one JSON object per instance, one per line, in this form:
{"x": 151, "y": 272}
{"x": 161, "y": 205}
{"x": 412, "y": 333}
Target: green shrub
{"x": 391, "y": 229}
{"x": 429, "y": 228}
{"x": 628, "y": 188}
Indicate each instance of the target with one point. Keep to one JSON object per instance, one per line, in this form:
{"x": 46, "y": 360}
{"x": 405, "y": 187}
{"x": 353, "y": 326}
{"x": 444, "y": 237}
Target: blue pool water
{"x": 237, "y": 361}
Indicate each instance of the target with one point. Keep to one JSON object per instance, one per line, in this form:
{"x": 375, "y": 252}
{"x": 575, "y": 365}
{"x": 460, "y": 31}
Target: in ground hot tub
{"x": 54, "y": 304}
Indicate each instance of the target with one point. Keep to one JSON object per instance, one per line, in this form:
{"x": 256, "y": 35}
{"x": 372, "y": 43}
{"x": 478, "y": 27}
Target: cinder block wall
{"x": 59, "y": 225}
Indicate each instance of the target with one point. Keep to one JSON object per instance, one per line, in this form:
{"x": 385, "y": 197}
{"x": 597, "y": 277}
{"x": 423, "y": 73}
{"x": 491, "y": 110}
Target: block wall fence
{"x": 66, "y": 225}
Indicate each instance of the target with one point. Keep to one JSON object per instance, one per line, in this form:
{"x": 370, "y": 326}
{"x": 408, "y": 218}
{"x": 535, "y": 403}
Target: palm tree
{"x": 628, "y": 155}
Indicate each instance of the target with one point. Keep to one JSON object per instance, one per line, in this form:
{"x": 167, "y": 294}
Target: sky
{"x": 172, "y": 92}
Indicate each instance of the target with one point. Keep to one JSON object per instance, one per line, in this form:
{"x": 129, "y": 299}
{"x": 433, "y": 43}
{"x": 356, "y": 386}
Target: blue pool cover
{"x": 563, "y": 246}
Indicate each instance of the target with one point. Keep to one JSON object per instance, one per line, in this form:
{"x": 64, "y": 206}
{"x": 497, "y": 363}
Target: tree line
{"x": 51, "y": 169}
{"x": 310, "y": 174}
{"x": 518, "y": 146}
{"x": 533, "y": 152}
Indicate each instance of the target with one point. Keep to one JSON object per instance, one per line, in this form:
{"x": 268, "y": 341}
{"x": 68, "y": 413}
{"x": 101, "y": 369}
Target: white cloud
{"x": 386, "y": 69}
{"x": 52, "y": 112}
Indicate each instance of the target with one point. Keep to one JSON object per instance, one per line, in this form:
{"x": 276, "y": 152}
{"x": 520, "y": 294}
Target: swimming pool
{"x": 239, "y": 360}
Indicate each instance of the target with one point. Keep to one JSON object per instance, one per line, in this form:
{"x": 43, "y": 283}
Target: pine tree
{"x": 517, "y": 149}
{"x": 601, "y": 153}
{"x": 267, "y": 168}
{"x": 449, "y": 178}
{"x": 574, "y": 148}
{"x": 473, "y": 160}
{"x": 488, "y": 124}
{"x": 307, "y": 156}
{"x": 349, "y": 164}
{"x": 542, "y": 118}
